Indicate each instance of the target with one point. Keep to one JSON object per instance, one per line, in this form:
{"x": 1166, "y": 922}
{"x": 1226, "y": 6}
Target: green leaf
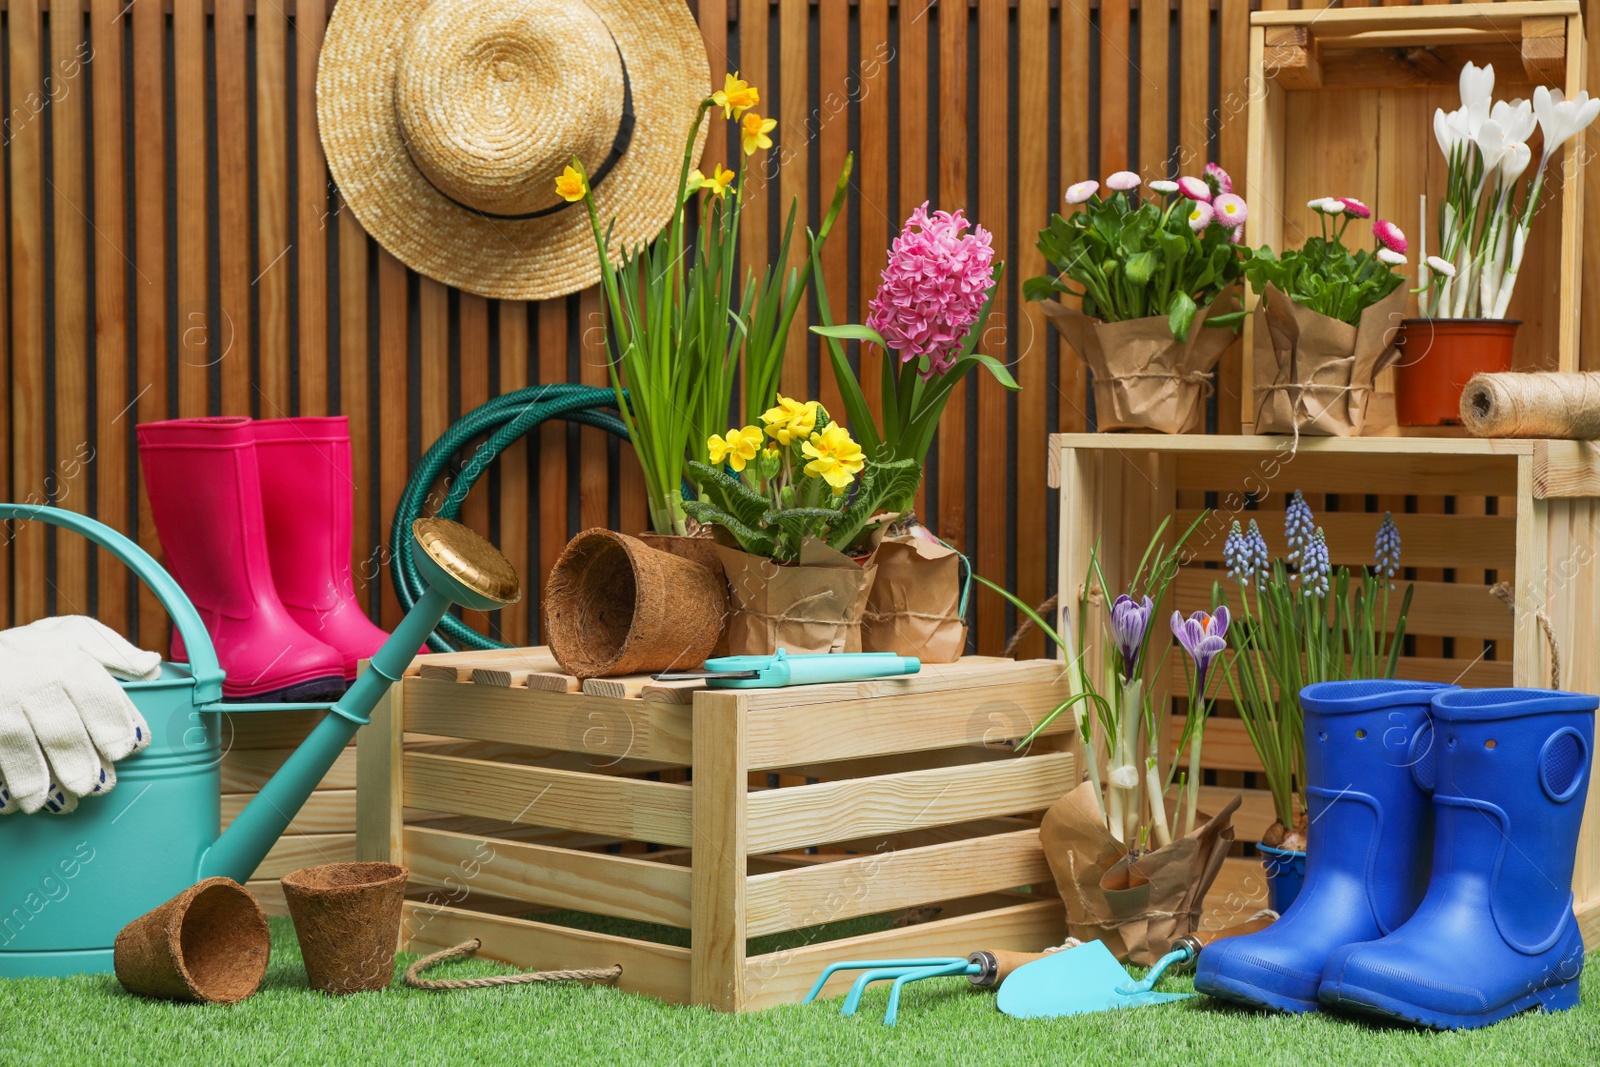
{"x": 1041, "y": 288}
{"x": 754, "y": 540}
{"x": 1141, "y": 268}
{"x": 1180, "y": 313}
{"x": 729, "y": 493}
{"x": 851, "y": 333}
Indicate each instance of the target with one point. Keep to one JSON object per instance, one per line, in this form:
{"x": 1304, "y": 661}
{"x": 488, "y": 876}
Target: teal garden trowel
{"x": 1088, "y": 978}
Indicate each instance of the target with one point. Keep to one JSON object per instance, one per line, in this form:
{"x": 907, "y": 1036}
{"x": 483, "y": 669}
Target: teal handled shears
{"x": 781, "y": 669}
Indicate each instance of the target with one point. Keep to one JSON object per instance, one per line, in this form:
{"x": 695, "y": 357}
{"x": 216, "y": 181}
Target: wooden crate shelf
{"x": 1341, "y": 103}
{"x": 1471, "y": 513}
{"x": 732, "y": 815}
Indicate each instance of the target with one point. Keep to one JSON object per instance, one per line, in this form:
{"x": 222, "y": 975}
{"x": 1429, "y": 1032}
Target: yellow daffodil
{"x": 753, "y": 132}
{"x": 736, "y": 449}
{"x": 571, "y": 186}
{"x": 835, "y": 456}
{"x": 720, "y": 180}
{"x": 736, "y": 96}
{"x": 790, "y": 420}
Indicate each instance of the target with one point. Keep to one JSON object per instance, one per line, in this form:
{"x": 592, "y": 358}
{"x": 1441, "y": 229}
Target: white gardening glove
{"x": 64, "y": 721}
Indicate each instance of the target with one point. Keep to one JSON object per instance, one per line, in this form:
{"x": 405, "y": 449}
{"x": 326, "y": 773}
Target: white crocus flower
{"x": 1477, "y": 91}
{"x": 1492, "y": 144}
{"x": 1562, "y": 119}
{"x": 1450, "y": 130}
{"x": 1518, "y": 156}
{"x": 1516, "y": 118}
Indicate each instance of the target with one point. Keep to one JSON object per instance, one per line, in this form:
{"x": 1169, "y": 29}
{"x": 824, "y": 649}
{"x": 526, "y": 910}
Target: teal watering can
{"x": 69, "y": 883}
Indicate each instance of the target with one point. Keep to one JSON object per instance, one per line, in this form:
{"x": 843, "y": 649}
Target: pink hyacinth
{"x": 1218, "y": 178}
{"x": 1390, "y": 236}
{"x": 1194, "y": 188}
{"x": 933, "y": 287}
{"x": 1355, "y": 208}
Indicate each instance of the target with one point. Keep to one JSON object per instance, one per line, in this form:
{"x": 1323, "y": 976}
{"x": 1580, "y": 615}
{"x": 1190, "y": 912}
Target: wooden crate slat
{"x": 326, "y": 811}
{"x": 893, "y": 879}
{"x": 660, "y": 971}
{"x": 247, "y": 770}
{"x": 786, "y": 818}
{"x": 784, "y": 977}
{"x": 619, "y": 886}
{"x": 600, "y": 726}
{"x": 643, "y": 811}
{"x": 306, "y": 850}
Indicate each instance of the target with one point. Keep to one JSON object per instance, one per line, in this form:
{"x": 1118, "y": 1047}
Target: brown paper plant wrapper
{"x": 209, "y": 943}
{"x": 1314, "y": 373}
{"x": 1144, "y": 378}
{"x": 1138, "y": 907}
{"x": 613, "y": 605}
{"x": 915, "y": 607}
{"x": 347, "y": 919}
{"x": 814, "y": 606}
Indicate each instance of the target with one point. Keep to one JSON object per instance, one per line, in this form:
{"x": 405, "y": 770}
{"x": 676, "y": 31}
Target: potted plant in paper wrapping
{"x": 796, "y": 505}
{"x": 1325, "y": 323}
{"x": 674, "y": 329}
{"x": 1297, "y": 620}
{"x": 1484, "y": 220}
{"x": 925, "y": 322}
{"x": 1157, "y": 279}
{"x": 1132, "y": 873}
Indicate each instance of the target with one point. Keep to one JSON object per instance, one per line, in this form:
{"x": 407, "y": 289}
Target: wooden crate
{"x": 1522, "y": 512}
{"x": 727, "y": 814}
{"x": 1341, "y": 103}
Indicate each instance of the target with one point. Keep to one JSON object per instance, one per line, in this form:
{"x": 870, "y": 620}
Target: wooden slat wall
{"x": 176, "y": 249}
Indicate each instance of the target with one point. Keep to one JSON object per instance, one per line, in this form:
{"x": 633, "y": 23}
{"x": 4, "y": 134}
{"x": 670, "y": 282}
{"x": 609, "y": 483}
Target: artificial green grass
{"x": 90, "y": 1020}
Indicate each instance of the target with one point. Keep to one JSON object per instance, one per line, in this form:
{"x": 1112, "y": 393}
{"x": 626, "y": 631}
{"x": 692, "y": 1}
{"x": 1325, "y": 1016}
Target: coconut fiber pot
{"x": 1438, "y": 357}
{"x": 347, "y": 919}
{"x": 208, "y": 944}
{"x": 701, "y": 549}
{"x": 614, "y": 605}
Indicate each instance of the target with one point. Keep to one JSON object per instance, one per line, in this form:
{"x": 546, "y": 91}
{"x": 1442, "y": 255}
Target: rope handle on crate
{"x": 415, "y": 980}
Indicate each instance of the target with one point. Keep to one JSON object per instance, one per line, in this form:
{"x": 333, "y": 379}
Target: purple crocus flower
{"x": 1203, "y": 637}
{"x": 1129, "y": 618}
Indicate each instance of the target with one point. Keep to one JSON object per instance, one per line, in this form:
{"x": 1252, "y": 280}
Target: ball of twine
{"x": 1533, "y": 404}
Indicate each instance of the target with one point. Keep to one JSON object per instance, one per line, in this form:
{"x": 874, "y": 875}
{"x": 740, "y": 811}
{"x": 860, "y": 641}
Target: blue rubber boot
{"x": 1368, "y": 771}
{"x": 1495, "y": 934}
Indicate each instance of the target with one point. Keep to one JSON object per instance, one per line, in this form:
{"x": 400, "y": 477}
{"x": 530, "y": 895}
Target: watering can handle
{"x": 202, "y": 656}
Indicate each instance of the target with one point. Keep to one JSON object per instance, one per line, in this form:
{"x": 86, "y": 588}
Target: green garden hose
{"x": 504, "y": 419}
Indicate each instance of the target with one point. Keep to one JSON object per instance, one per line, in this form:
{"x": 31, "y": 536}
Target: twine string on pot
{"x": 1502, "y": 591}
{"x": 1533, "y": 404}
{"x": 1297, "y": 403}
{"x": 415, "y": 980}
{"x": 1202, "y": 378}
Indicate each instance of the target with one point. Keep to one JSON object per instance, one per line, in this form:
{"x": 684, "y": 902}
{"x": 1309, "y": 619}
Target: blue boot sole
{"x": 1354, "y": 999}
{"x": 1253, "y": 996}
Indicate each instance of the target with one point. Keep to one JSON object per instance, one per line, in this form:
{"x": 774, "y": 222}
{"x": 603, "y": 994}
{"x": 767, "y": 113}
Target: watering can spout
{"x": 459, "y": 567}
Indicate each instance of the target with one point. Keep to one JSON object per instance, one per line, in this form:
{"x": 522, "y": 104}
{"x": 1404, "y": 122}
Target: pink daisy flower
{"x": 933, "y": 288}
{"x": 1355, "y": 208}
{"x": 1194, "y": 188}
{"x": 1218, "y": 178}
{"x": 1201, "y": 216}
{"x": 1231, "y": 210}
{"x": 1078, "y": 192}
{"x": 1122, "y": 181}
{"x": 1390, "y": 236}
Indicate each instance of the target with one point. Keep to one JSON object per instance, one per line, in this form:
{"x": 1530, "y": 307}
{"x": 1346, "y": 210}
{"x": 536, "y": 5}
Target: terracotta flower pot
{"x": 1438, "y": 357}
{"x": 347, "y": 919}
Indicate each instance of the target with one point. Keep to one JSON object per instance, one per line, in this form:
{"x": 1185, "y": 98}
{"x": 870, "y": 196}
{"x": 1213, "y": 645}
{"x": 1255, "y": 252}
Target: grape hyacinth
{"x": 1245, "y": 554}
{"x": 1298, "y": 524}
{"x": 1387, "y": 549}
{"x": 1314, "y": 568}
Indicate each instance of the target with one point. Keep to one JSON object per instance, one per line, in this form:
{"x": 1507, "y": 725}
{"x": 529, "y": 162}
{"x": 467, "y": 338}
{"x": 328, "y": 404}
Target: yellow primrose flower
{"x": 835, "y": 456}
{"x": 721, "y": 178}
{"x": 753, "y": 132}
{"x": 571, "y": 185}
{"x": 791, "y": 420}
{"x": 736, "y": 96}
{"x": 696, "y": 180}
{"x": 737, "y": 448}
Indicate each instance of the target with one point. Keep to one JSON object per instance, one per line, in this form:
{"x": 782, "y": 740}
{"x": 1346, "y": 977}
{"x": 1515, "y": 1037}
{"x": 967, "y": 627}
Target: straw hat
{"x": 446, "y": 122}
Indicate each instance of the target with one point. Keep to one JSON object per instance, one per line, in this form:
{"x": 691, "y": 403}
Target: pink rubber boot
{"x": 309, "y": 493}
{"x": 205, "y": 497}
